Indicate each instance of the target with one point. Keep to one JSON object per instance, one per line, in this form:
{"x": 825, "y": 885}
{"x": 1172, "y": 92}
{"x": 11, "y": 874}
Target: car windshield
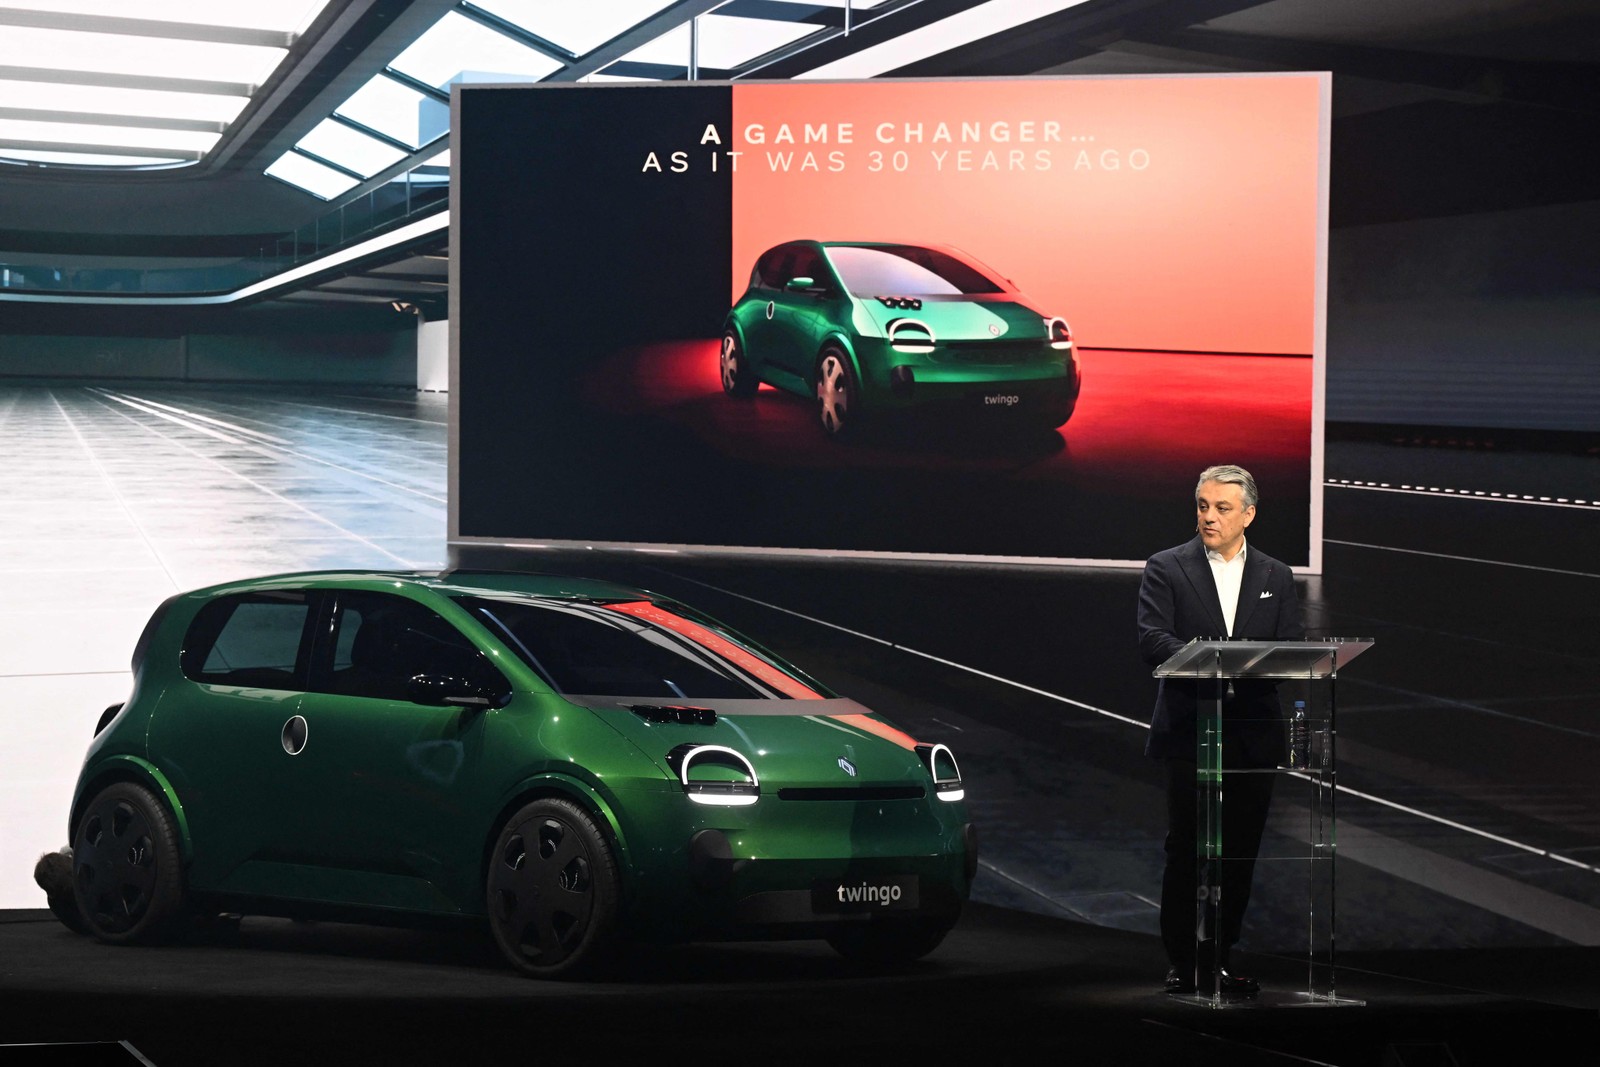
{"x": 907, "y": 270}
{"x": 636, "y": 648}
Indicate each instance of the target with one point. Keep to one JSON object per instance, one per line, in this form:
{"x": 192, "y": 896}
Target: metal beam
{"x": 89, "y": 118}
{"x": 51, "y": 76}
{"x": 126, "y": 27}
{"x": 667, "y": 19}
{"x": 101, "y": 149}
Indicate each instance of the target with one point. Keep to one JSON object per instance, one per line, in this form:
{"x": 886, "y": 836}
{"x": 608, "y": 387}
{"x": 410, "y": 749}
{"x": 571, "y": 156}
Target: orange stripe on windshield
{"x": 882, "y": 729}
{"x": 755, "y": 665}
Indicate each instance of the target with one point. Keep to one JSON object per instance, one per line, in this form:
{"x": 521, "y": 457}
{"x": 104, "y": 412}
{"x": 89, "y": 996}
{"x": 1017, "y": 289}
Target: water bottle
{"x": 1299, "y": 737}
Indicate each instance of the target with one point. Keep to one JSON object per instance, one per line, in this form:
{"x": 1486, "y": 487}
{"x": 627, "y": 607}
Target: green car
{"x": 577, "y": 762}
{"x": 869, "y": 328}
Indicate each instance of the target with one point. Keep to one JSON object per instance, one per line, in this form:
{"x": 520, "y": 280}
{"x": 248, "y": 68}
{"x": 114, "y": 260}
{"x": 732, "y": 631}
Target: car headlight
{"x": 1060, "y": 333}
{"x": 942, "y": 768}
{"x": 911, "y": 335}
{"x": 715, "y": 774}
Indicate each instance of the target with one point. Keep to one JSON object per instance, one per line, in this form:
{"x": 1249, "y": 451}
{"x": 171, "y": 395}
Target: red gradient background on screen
{"x": 1177, "y": 213}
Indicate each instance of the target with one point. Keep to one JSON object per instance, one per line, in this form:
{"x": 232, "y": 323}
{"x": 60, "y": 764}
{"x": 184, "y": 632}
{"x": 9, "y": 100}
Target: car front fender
{"x": 572, "y": 787}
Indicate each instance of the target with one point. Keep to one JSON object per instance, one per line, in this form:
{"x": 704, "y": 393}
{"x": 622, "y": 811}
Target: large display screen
{"x": 994, "y": 318}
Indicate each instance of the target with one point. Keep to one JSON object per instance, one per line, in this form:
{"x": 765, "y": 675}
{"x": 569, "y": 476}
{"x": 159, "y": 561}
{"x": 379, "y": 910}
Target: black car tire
{"x": 889, "y": 944}
{"x": 738, "y": 378}
{"x": 552, "y": 891}
{"x": 838, "y": 395}
{"x": 127, "y": 876}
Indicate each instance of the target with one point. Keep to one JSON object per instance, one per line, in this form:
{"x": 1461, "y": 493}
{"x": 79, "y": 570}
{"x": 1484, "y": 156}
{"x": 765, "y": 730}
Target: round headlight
{"x": 715, "y": 774}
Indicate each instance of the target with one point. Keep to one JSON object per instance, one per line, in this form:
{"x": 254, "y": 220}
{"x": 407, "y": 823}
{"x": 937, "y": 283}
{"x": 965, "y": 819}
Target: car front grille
{"x": 856, "y": 793}
{"x": 997, "y": 351}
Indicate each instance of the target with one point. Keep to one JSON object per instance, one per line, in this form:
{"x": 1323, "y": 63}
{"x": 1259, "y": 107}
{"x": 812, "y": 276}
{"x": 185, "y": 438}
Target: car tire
{"x": 889, "y": 944}
{"x": 127, "y": 877}
{"x": 552, "y": 891}
{"x": 738, "y": 377}
{"x": 838, "y": 395}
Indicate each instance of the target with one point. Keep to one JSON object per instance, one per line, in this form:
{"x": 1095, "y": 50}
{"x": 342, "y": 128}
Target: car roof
{"x": 444, "y": 582}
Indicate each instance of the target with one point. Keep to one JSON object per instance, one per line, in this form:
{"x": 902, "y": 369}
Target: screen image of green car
{"x": 575, "y": 763}
{"x": 868, "y": 328}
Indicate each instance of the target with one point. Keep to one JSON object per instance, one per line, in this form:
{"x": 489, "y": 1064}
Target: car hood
{"x": 965, "y": 319}
{"x": 790, "y": 743}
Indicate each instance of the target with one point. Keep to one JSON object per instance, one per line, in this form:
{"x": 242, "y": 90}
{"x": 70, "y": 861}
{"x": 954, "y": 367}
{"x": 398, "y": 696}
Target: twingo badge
{"x": 847, "y": 767}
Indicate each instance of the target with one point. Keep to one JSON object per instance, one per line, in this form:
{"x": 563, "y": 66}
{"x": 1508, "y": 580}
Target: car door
{"x": 223, "y": 734}
{"x": 798, "y": 315}
{"x": 394, "y": 780}
{"x": 761, "y": 339}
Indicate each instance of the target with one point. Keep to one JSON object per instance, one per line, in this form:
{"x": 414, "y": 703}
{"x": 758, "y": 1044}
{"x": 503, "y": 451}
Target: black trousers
{"x": 1246, "y": 798}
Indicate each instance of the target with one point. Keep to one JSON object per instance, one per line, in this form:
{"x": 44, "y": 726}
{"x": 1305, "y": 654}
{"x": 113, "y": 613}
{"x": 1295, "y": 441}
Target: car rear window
{"x": 250, "y": 640}
{"x": 637, "y": 648}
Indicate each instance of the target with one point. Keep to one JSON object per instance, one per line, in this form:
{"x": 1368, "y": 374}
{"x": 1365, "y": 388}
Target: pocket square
{"x": 1265, "y": 594}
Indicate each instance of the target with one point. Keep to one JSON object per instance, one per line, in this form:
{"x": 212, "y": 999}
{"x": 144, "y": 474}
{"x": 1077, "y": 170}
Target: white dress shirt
{"x": 1228, "y": 574}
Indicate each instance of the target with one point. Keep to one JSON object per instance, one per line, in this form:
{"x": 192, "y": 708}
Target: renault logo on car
{"x": 847, "y": 767}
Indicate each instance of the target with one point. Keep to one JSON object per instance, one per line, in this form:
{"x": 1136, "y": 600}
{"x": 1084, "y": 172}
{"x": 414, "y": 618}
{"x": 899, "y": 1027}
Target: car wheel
{"x": 838, "y": 397}
{"x": 126, "y": 876}
{"x": 738, "y": 379}
{"x": 889, "y": 944}
{"x": 552, "y": 891}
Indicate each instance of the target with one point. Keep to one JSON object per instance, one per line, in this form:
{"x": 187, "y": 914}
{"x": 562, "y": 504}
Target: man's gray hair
{"x": 1228, "y": 474}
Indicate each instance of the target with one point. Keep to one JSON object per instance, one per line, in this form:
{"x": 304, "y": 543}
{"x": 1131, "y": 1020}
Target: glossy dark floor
{"x": 1006, "y": 984}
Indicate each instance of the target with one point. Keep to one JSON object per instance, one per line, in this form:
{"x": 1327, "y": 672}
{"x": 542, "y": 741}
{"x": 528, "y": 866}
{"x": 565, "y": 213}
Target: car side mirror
{"x": 800, "y": 285}
{"x": 444, "y": 690}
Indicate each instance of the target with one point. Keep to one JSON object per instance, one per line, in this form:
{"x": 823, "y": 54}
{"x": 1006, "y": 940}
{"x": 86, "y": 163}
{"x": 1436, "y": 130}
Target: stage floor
{"x": 1005, "y": 982}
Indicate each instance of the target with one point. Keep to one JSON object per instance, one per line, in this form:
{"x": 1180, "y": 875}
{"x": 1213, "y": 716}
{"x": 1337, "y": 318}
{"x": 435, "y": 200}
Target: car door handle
{"x": 294, "y": 735}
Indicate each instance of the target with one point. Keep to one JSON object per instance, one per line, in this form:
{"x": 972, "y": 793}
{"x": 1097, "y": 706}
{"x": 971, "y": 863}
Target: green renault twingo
{"x": 576, "y": 762}
{"x": 868, "y": 328}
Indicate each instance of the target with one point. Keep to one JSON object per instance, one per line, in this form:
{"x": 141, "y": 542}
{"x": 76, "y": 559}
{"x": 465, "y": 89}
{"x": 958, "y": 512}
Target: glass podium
{"x": 1307, "y": 758}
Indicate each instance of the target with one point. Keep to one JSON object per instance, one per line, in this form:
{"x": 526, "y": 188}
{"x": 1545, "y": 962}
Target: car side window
{"x": 379, "y": 642}
{"x": 251, "y": 640}
{"x": 808, "y": 264}
{"x": 765, "y": 275}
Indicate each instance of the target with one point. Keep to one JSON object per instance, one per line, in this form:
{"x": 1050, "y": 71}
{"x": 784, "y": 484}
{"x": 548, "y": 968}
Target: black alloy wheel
{"x": 552, "y": 891}
{"x": 126, "y": 865}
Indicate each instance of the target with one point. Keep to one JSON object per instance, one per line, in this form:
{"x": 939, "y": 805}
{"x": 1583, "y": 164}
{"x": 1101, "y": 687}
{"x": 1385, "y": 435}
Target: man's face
{"x": 1221, "y": 516}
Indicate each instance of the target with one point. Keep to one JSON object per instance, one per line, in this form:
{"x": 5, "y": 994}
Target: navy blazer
{"x": 1178, "y": 602}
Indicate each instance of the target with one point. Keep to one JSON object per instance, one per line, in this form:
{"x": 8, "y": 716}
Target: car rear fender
{"x": 128, "y": 768}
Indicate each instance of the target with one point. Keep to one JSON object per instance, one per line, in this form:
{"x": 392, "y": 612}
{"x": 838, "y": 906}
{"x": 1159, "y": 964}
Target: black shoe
{"x": 1234, "y": 985}
{"x": 1180, "y": 982}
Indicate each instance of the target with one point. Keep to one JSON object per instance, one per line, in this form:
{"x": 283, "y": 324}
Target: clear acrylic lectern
{"x": 1309, "y": 756}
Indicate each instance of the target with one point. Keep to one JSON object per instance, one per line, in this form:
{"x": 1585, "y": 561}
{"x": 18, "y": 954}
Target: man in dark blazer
{"x": 1214, "y": 586}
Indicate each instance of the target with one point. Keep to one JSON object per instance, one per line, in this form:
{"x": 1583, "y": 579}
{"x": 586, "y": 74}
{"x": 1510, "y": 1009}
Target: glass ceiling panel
{"x": 385, "y": 105}
{"x": 311, "y": 176}
{"x": 92, "y": 159}
{"x": 859, "y": 5}
{"x": 726, "y": 41}
{"x": 102, "y": 100}
{"x": 291, "y": 16}
{"x": 110, "y": 136}
{"x": 26, "y": 46}
{"x": 456, "y": 44}
{"x": 953, "y": 31}
{"x": 579, "y": 28}
{"x": 348, "y": 148}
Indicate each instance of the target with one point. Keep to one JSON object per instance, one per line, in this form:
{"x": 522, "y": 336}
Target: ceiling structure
{"x": 239, "y": 150}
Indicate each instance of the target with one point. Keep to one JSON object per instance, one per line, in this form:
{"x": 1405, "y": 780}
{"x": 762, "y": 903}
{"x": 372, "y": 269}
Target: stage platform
{"x": 1005, "y": 984}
